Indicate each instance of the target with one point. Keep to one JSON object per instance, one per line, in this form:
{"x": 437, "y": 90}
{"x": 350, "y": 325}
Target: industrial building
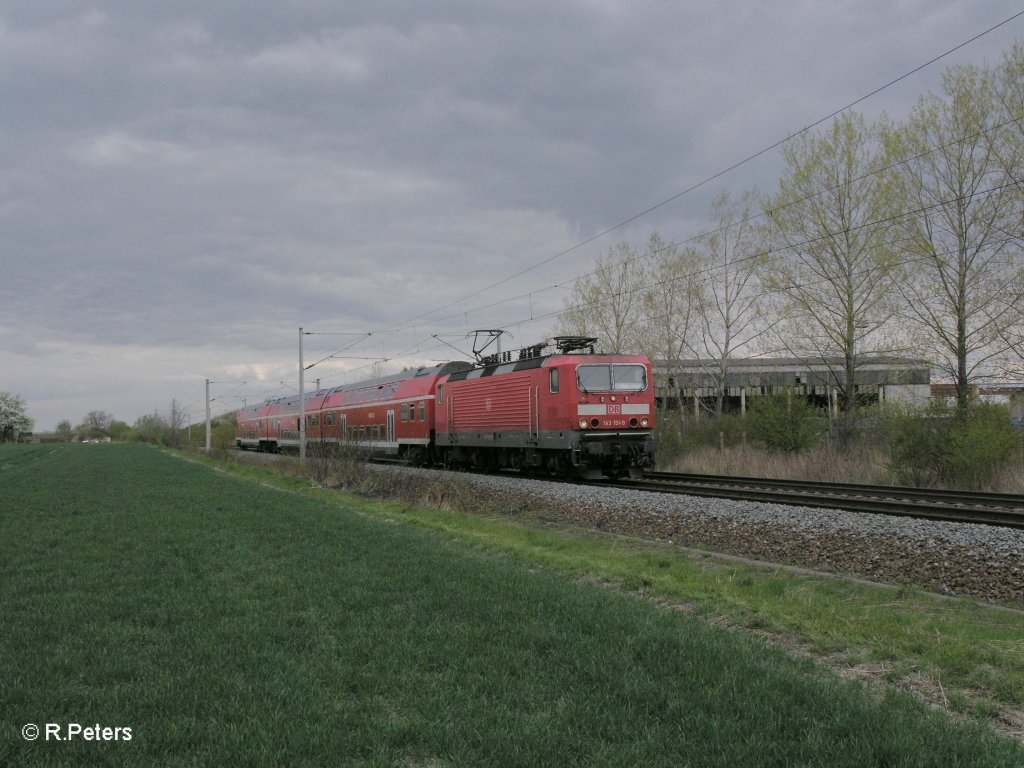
{"x": 694, "y": 384}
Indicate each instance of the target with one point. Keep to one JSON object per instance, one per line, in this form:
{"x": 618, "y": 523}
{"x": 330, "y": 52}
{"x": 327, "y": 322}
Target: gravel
{"x": 951, "y": 558}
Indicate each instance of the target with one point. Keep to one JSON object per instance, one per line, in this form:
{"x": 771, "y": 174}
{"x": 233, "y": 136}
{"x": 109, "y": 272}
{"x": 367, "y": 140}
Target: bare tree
{"x": 151, "y": 428}
{"x": 175, "y": 424}
{"x": 95, "y": 424}
{"x": 667, "y": 314}
{"x": 963, "y": 285}
{"x": 834, "y": 274}
{"x": 65, "y": 431}
{"x": 1008, "y": 146}
{"x": 728, "y": 297}
{"x": 607, "y": 303}
{"x": 1008, "y": 136}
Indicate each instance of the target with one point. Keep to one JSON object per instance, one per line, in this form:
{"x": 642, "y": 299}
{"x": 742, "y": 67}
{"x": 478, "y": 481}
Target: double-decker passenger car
{"x": 390, "y": 416}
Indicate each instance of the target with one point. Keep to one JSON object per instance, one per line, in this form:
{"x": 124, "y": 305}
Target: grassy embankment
{"x": 227, "y": 623}
{"x": 956, "y": 654}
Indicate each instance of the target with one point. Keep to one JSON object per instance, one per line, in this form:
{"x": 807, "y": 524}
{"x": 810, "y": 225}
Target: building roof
{"x": 788, "y": 363}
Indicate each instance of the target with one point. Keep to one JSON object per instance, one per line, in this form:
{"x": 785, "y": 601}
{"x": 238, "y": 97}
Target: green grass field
{"x": 230, "y": 623}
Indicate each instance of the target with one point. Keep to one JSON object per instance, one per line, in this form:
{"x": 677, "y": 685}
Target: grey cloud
{"x": 181, "y": 175}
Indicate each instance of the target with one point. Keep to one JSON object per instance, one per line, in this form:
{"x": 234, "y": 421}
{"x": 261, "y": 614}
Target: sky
{"x": 184, "y": 185}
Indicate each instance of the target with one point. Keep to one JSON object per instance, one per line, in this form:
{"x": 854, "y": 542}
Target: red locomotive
{"x": 570, "y": 412}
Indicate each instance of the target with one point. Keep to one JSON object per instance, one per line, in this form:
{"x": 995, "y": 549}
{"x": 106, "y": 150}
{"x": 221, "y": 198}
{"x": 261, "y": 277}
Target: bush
{"x": 916, "y": 440}
{"x": 329, "y": 464}
{"x": 726, "y": 431}
{"x": 668, "y": 436}
{"x": 982, "y": 442}
{"x": 676, "y": 434}
{"x": 784, "y": 423}
{"x": 941, "y": 445}
{"x": 222, "y": 435}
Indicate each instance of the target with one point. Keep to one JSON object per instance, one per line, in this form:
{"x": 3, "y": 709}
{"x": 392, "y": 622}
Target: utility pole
{"x": 302, "y": 404}
{"x": 175, "y": 426}
{"x": 207, "y": 416}
{"x": 302, "y": 384}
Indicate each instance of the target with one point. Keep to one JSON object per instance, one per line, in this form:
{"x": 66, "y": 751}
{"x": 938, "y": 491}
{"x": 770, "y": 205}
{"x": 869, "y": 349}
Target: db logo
{"x": 614, "y": 409}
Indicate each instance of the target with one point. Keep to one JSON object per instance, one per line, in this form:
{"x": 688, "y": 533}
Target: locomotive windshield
{"x": 611, "y": 378}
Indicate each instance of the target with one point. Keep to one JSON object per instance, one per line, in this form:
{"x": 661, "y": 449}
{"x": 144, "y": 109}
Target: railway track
{"x": 1000, "y": 509}
{"x": 955, "y": 506}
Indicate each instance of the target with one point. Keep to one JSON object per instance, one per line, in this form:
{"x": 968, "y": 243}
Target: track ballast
{"x": 952, "y": 506}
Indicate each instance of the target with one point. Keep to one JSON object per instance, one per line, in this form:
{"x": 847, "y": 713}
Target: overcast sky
{"x": 185, "y": 184}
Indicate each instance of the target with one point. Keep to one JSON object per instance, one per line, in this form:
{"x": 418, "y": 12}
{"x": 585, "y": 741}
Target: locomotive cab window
{"x": 553, "y": 380}
{"x": 611, "y": 378}
{"x": 629, "y": 378}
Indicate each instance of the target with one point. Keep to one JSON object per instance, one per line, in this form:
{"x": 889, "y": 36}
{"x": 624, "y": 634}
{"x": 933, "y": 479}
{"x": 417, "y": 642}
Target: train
{"x": 568, "y": 411}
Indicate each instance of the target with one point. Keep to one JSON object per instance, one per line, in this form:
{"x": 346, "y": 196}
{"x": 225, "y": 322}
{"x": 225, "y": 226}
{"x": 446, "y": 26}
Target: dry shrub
{"x": 1010, "y": 477}
{"x": 861, "y": 463}
{"x": 447, "y": 492}
{"x": 348, "y": 467}
{"x": 870, "y": 458}
{"x": 331, "y": 465}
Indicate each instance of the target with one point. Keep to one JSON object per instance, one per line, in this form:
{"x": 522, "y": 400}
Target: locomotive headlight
{"x": 583, "y": 423}
{"x": 645, "y": 422}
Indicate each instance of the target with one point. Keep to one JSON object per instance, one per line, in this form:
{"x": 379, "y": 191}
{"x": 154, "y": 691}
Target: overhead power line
{"x": 410, "y": 322}
{"x": 707, "y": 271}
{"x": 746, "y": 220}
{"x": 719, "y": 174}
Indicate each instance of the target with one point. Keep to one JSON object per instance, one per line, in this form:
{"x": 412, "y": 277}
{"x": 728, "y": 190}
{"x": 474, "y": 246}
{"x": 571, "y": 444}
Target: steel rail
{"x": 952, "y": 506}
{"x": 977, "y": 498}
{"x": 1001, "y": 509}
